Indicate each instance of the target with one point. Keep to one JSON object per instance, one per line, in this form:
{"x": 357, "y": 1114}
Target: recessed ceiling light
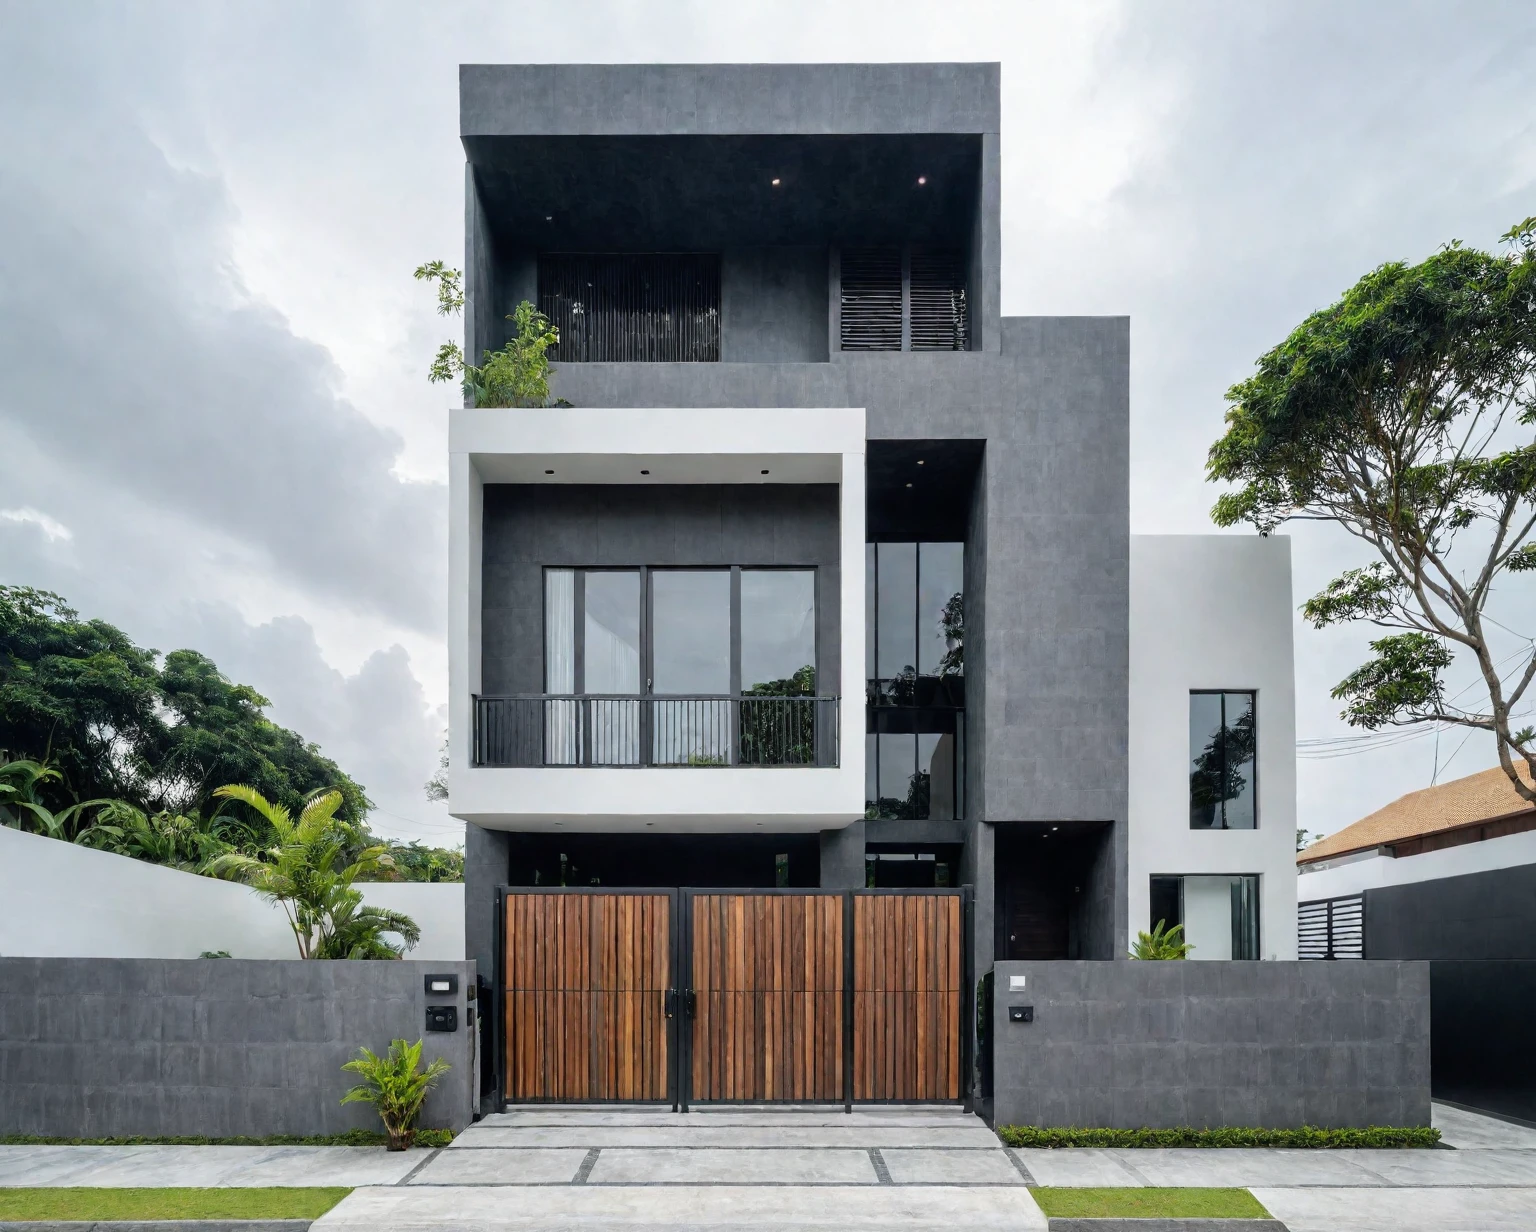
{"x": 919, "y": 461}
{"x": 922, "y": 179}
{"x": 775, "y": 181}
{"x": 909, "y": 485}
{"x": 764, "y": 472}
{"x": 549, "y": 472}
{"x": 549, "y": 218}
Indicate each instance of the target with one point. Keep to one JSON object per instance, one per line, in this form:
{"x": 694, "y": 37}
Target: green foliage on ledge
{"x": 352, "y": 1137}
{"x": 1307, "y": 1136}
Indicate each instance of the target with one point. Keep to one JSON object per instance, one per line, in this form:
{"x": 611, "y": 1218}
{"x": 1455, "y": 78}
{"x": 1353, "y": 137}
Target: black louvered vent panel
{"x": 939, "y": 311}
{"x": 1331, "y": 928}
{"x": 871, "y": 299}
{"x": 629, "y": 307}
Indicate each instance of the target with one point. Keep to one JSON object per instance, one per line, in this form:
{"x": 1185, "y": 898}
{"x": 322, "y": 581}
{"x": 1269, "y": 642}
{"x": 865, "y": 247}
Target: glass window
{"x": 560, "y": 630}
{"x": 778, "y": 631}
{"x": 869, "y": 611}
{"x": 611, "y": 650}
{"x": 936, "y": 762}
{"x": 896, "y": 610}
{"x": 897, "y": 784}
{"x": 691, "y": 631}
{"x": 1223, "y": 739}
{"x": 1220, "y": 914}
{"x": 940, "y": 583}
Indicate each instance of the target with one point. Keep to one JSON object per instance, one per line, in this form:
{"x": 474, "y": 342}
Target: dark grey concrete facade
{"x": 102, "y": 1047}
{"x": 1163, "y": 1044}
{"x": 1044, "y": 401}
{"x": 529, "y": 528}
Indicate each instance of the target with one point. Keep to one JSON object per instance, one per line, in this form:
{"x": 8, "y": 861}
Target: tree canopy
{"x": 1403, "y": 413}
{"x": 79, "y": 694}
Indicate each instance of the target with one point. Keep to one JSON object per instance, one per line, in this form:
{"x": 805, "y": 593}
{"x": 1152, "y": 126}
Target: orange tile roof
{"x": 1461, "y": 802}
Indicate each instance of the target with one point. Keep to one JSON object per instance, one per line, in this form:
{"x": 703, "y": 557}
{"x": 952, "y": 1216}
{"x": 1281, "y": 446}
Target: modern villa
{"x": 803, "y": 664}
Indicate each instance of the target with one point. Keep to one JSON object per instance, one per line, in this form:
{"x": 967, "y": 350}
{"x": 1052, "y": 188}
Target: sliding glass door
{"x": 690, "y": 647}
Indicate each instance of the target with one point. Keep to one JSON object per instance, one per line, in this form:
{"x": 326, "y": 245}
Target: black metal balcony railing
{"x": 548, "y": 730}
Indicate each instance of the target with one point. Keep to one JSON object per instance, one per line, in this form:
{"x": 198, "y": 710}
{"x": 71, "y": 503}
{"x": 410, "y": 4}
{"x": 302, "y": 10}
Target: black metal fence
{"x": 1330, "y": 928}
{"x": 549, "y": 730}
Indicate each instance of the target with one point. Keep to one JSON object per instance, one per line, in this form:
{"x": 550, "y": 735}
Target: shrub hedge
{"x": 1307, "y": 1136}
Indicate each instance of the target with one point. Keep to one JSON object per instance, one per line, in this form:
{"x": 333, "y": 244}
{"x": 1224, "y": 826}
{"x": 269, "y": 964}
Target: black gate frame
{"x": 679, "y": 1003}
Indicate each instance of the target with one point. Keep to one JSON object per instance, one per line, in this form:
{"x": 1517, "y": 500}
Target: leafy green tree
{"x": 305, "y": 872}
{"x": 1403, "y": 414}
{"x": 515, "y": 376}
{"x": 219, "y": 734}
{"x": 77, "y": 695}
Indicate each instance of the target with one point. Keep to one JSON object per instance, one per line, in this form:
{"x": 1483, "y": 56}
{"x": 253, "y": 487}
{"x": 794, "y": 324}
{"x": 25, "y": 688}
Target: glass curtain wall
{"x": 915, "y": 635}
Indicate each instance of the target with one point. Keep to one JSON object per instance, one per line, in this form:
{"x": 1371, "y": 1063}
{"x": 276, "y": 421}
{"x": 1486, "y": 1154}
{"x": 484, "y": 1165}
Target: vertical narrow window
{"x": 611, "y": 658}
{"x": 900, "y": 794}
{"x": 870, "y": 632}
{"x": 561, "y": 718}
{"x": 1223, "y": 744}
{"x": 690, "y": 656}
{"x": 1167, "y": 903}
{"x": 560, "y": 630}
{"x": 941, "y": 579}
{"x": 778, "y": 632}
{"x": 1245, "y": 917}
{"x": 896, "y": 610}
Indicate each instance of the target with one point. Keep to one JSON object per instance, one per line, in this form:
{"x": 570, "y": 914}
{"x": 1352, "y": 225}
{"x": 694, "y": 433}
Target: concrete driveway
{"x": 805, "y": 1169}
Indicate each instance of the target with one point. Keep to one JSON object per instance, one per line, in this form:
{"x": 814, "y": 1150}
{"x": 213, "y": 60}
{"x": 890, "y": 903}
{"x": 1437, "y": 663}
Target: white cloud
{"x": 27, "y": 516}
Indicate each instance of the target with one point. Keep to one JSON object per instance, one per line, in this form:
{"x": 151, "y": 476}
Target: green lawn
{"x": 1149, "y": 1203}
{"x": 85, "y": 1204}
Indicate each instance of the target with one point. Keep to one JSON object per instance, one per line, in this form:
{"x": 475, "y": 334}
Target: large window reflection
{"x": 916, "y": 716}
{"x": 1223, "y": 741}
{"x": 692, "y": 640}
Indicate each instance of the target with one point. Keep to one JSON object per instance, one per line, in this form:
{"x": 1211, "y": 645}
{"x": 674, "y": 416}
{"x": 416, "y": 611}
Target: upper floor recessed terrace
{"x": 732, "y": 213}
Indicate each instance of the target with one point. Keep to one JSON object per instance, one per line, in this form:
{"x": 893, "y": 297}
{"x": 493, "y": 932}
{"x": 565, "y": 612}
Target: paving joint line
{"x": 882, "y": 1173}
{"x": 679, "y": 1146}
{"x": 435, "y": 1152}
{"x": 587, "y": 1164}
{"x": 1018, "y": 1166}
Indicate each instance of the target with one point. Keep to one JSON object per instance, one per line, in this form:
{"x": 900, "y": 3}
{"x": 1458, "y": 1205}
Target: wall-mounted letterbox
{"x": 1021, "y": 1013}
{"x": 442, "y": 1018}
{"x": 442, "y": 985}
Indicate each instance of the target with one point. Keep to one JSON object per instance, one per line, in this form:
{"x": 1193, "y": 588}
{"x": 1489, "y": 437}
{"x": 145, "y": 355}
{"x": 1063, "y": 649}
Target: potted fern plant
{"x": 397, "y": 1086}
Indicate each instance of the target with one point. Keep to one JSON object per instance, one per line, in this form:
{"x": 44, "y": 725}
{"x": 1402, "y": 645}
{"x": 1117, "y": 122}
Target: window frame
{"x": 1258, "y": 903}
{"x": 647, "y": 621}
{"x": 1188, "y": 759}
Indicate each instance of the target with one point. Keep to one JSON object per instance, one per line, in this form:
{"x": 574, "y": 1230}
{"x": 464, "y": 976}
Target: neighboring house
{"x": 1448, "y": 874}
{"x": 823, "y": 579}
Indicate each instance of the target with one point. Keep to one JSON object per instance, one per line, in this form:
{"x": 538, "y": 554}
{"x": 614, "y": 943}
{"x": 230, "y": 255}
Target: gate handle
{"x": 669, "y": 1003}
{"x": 691, "y": 1003}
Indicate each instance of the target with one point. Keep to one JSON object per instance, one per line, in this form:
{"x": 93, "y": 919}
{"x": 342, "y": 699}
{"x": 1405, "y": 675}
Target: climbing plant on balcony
{"x": 515, "y": 375}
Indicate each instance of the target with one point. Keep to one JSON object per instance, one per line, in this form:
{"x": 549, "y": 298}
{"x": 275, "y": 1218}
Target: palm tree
{"x": 303, "y": 872}
{"x": 21, "y": 806}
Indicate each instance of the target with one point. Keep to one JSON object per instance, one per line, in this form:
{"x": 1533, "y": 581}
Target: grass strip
{"x": 353, "y": 1137}
{"x": 107, "y": 1204}
{"x": 1154, "y": 1203}
{"x": 1309, "y": 1136}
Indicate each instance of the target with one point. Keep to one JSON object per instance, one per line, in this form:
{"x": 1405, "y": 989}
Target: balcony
{"x": 699, "y": 732}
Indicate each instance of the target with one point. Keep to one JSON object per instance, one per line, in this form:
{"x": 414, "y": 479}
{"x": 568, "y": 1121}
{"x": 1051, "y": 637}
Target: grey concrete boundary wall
{"x": 1262, "y": 1044}
{"x": 103, "y": 1047}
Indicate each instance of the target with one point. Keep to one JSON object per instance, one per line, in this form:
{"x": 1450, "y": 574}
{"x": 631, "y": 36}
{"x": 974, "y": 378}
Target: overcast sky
{"x": 214, "y": 426}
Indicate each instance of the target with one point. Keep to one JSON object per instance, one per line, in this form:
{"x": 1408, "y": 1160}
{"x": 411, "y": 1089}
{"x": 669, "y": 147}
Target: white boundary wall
{"x": 60, "y": 900}
{"x": 1212, "y": 612}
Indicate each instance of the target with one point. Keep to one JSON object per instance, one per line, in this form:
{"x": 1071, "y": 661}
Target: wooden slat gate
{"x": 744, "y": 996}
{"x": 587, "y": 998}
